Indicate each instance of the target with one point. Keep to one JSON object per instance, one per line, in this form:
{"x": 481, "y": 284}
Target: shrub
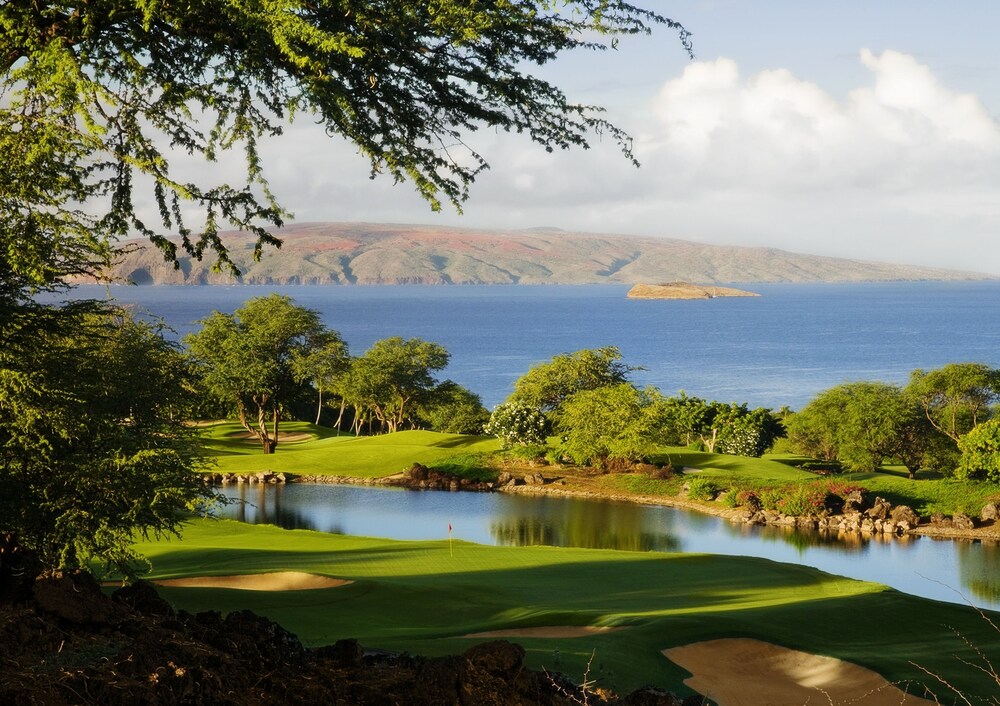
{"x": 517, "y": 424}
{"x": 802, "y": 500}
{"x": 527, "y": 452}
{"x": 702, "y": 489}
{"x": 745, "y": 498}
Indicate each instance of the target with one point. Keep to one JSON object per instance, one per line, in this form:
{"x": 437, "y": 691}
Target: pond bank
{"x": 584, "y": 483}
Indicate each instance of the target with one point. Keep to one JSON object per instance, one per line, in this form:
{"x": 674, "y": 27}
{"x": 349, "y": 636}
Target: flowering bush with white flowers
{"x": 514, "y": 423}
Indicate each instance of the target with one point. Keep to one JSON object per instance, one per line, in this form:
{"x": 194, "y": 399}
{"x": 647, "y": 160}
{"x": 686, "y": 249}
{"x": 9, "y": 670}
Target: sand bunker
{"x": 555, "y": 631}
{"x": 743, "y": 672}
{"x": 276, "y": 581}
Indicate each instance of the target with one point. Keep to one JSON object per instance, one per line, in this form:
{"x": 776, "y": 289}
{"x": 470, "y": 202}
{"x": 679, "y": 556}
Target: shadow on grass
{"x": 422, "y": 597}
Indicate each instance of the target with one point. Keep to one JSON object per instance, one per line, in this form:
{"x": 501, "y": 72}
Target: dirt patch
{"x": 275, "y": 581}
{"x": 744, "y": 672}
{"x": 282, "y": 436}
{"x": 551, "y": 631}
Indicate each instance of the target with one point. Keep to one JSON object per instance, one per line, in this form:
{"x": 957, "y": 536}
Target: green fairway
{"x": 725, "y": 465}
{"x": 313, "y": 450}
{"x": 423, "y": 596}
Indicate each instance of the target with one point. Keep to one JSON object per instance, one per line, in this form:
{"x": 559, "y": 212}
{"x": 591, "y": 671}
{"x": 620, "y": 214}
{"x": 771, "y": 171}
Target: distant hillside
{"x": 368, "y": 253}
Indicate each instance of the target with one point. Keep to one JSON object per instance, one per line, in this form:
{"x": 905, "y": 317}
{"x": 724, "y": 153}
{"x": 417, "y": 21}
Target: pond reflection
{"x": 980, "y": 565}
{"x": 943, "y": 570}
{"x": 592, "y": 526}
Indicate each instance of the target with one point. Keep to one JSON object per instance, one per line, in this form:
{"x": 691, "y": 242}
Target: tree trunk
{"x": 274, "y": 440}
{"x": 319, "y": 406}
{"x": 266, "y": 442}
{"x": 340, "y": 417}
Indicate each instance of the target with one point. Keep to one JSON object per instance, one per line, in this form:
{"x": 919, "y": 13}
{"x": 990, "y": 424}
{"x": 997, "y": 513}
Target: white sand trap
{"x": 556, "y": 631}
{"x": 744, "y": 672}
{"x": 275, "y": 581}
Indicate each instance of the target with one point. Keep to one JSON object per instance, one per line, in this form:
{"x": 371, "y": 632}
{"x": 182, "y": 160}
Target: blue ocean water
{"x": 778, "y": 349}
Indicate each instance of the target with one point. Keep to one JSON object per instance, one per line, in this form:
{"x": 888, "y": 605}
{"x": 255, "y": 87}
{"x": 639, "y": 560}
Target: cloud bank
{"x": 901, "y": 168}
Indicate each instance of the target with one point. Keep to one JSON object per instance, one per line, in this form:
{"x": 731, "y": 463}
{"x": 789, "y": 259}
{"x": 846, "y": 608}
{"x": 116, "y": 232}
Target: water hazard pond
{"x": 948, "y": 570}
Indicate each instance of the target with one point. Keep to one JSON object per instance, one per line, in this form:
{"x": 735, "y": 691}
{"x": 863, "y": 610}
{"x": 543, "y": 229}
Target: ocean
{"x": 778, "y": 349}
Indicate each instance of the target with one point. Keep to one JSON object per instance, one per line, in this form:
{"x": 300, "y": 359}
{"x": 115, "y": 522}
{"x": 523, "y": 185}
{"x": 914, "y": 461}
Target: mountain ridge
{"x": 389, "y": 253}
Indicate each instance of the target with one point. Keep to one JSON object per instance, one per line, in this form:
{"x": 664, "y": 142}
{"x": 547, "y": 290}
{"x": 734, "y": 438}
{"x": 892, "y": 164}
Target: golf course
{"x": 614, "y": 610}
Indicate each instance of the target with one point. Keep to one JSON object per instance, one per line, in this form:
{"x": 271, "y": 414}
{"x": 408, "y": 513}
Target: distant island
{"x": 685, "y": 290}
{"x": 380, "y": 253}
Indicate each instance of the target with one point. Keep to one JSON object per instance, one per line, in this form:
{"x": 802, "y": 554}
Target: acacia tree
{"x": 546, "y": 385}
{"x": 860, "y": 424}
{"x": 392, "y": 379}
{"x": 321, "y": 364}
{"x": 95, "y": 91}
{"x": 253, "y": 358}
{"x": 956, "y": 397}
{"x": 454, "y": 409}
{"x": 611, "y": 424}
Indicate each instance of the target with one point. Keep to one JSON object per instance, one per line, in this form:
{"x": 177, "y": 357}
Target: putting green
{"x": 425, "y": 597}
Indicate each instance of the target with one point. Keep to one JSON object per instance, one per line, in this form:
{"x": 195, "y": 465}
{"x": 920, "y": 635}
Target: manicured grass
{"x": 724, "y": 465}
{"x": 422, "y": 596}
{"x": 324, "y": 453}
{"x": 928, "y": 494}
{"x": 946, "y": 496}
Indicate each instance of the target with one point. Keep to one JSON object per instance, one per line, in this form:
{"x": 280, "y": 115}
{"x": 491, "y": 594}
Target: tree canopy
{"x": 392, "y": 379}
{"x": 724, "y": 427}
{"x": 957, "y": 396}
{"x": 93, "y": 446}
{"x": 546, "y": 385}
{"x": 860, "y": 424}
{"x": 256, "y": 357}
{"x": 98, "y": 97}
{"x": 615, "y": 423}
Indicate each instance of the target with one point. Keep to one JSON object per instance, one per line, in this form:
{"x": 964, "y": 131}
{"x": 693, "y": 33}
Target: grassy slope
{"x": 420, "y": 596}
{"x": 928, "y": 494}
{"x": 324, "y": 453}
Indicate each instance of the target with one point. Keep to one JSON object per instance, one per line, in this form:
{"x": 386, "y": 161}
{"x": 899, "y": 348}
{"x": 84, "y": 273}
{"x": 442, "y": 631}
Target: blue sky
{"x": 856, "y": 129}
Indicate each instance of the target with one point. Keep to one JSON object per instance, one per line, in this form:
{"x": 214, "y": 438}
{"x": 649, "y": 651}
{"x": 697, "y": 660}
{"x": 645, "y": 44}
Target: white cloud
{"x": 899, "y": 168}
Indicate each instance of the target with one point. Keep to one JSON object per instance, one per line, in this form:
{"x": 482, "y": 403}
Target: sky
{"x": 860, "y": 129}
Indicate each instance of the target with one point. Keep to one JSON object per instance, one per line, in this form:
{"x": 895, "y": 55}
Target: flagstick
{"x": 451, "y": 551}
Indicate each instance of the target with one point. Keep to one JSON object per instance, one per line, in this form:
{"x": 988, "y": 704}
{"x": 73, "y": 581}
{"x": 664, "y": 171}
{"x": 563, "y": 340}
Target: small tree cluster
{"x": 614, "y": 423}
{"x": 981, "y": 452}
{"x": 517, "y": 424}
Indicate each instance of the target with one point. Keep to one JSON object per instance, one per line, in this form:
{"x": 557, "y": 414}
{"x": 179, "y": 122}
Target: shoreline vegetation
{"x": 431, "y": 460}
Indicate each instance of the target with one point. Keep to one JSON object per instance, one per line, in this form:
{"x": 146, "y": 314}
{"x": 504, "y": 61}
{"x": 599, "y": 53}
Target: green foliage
{"x": 257, "y": 358}
{"x": 702, "y": 489}
{"x": 546, "y": 385}
{"x": 727, "y": 428}
{"x": 859, "y": 424}
{"x": 528, "y": 452}
{"x": 980, "y": 449}
{"x": 453, "y": 409}
{"x": 321, "y": 364}
{"x": 93, "y": 448}
{"x": 802, "y": 500}
{"x": 517, "y": 424}
{"x": 613, "y": 423}
{"x": 473, "y": 466}
{"x": 956, "y": 397}
{"x": 391, "y": 381}
{"x": 95, "y": 91}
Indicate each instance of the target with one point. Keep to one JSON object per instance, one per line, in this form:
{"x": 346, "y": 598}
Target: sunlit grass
{"x": 424, "y": 596}
{"x": 325, "y": 453}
